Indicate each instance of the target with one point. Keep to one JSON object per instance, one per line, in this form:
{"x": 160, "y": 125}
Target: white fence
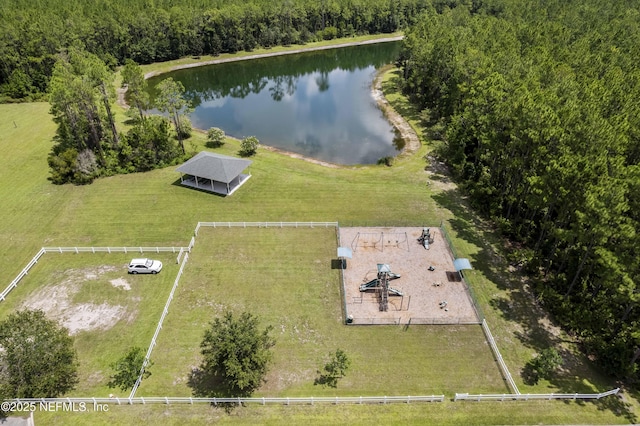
{"x": 21, "y": 275}
{"x": 267, "y": 225}
{"x": 113, "y": 249}
{"x": 501, "y": 363}
{"x": 13, "y": 284}
{"x": 533, "y": 396}
{"x": 284, "y": 401}
{"x": 214, "y": 401}
{"x": 159, "y": 327}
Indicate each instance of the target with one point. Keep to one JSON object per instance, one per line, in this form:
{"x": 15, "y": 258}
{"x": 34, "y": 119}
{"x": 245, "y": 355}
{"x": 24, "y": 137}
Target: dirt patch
{"x": 121, "y": 283}
{"x": 56, "y": 302}
{"x": 428, "y": 296}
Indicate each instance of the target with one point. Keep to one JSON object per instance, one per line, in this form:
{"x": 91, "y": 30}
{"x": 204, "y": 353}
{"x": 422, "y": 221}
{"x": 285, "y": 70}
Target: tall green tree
{"x": 38, "y": 359}
{"x": 81, "y": 94}
{"x": 236, "y": 353}
{"x": 171, "y": 100}
{"x": 540, "y": 104}
{"x": 135, "y": 83}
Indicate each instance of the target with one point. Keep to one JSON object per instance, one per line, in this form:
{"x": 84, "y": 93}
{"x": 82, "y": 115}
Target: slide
{"x": 370, "y": 285}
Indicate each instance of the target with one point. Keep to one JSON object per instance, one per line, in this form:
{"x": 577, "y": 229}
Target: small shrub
{"x": 330, "y": 33}
{"x": 386, "y": 161}
{"x": 249, "y": 146}
{"x": 334, "y": 370}
{"x": 215, "y": 137}
{"x": 542, "y": 366}
{"x": 127, "y": 369}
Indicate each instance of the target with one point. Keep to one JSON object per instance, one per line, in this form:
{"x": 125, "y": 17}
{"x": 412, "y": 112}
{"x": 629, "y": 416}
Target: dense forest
{"x": 538, "y": 103}
{"x": 32, "y": 33}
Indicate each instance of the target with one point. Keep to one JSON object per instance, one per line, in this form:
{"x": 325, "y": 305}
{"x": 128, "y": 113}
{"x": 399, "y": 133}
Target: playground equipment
{"x": 371, "y": 285}
{"x": 426, "y": 238}
{"x": 368, "y": 240}
{"x": 381, "y": 285}
{"x": 380, "y": 240}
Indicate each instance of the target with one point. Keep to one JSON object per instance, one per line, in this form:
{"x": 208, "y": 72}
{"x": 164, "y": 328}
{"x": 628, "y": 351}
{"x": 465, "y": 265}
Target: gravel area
{"x": 424, "y": 290}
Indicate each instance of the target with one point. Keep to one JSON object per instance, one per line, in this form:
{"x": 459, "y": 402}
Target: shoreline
{"x": 412, "y": 142}
{"x": 272, "y": 54}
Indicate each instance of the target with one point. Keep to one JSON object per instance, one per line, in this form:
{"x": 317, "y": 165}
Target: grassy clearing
{"x": 150, "y": 209}
{"x": 284, "y": 276}
{"x": 85, "y": 282}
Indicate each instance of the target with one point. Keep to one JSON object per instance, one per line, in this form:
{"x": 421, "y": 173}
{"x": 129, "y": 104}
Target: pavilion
{"x": 215, "y": 173}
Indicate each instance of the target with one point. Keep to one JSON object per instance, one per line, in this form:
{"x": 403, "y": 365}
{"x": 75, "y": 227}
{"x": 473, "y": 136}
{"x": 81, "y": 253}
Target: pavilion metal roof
{"x": 217, "y": 167}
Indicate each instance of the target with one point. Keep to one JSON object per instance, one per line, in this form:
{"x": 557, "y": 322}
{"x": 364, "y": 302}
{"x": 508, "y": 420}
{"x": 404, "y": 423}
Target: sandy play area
{"x": 435, "y": 296}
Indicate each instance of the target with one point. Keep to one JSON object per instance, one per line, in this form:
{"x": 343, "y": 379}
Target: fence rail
{"x": 214, "y": 401}
{"x": 159, "y": 327}
{"x": 532, "y": 396}
{"x": 443, "y": 321}
{"x": 13, "y": 284}
{"x": 498, "y": 356}
{"x": 266, "y": 225}
{"x": 375, "y": 321}
{"x": 113, "y": 249}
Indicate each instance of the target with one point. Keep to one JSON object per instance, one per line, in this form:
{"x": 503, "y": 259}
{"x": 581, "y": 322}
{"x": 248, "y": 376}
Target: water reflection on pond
{"x": 317, "y": 104}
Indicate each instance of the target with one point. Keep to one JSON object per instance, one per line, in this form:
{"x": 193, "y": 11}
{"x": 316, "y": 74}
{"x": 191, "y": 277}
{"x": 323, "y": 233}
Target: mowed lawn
{"x": 108, "y": 310}
{"x": 152, "y": 209}
{"x": 284, "y": 276}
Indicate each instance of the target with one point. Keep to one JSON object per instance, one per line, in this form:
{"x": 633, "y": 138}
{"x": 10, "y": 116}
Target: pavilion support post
{"x": 197, "y": 185}
{"x": 212, "y": 184}
{"x": 227, "y": 188}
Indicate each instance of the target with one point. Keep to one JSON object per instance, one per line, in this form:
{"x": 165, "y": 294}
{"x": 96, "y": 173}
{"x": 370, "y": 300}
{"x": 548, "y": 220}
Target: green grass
{"x": 284, "y": 276}
{"x": 150, "y": 209}
{"x": 91, "y": 275}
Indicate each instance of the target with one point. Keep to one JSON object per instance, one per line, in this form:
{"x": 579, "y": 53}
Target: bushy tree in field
{"x": 543, "y": 365}
{"x": 127, "y": 369}
{"x": 334, "y": 370}
{"x": 215, "y": 137}
{"x": 249, "y": 146}
{"x": 236, "y": 355}
{"x": 38, "y": 359}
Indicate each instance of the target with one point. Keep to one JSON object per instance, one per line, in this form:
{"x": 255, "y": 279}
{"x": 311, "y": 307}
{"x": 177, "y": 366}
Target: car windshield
{"x": 148, "y": 263}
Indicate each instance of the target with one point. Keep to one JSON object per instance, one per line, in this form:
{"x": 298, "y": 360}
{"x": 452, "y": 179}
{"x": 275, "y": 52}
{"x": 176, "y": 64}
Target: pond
{"x": 318, "y": 104}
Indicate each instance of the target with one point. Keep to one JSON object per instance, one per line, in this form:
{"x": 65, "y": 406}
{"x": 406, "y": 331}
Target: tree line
{"x": 87, "y": 143}
{"x": 33, "y": 33}
{"x": 538, "y": 104}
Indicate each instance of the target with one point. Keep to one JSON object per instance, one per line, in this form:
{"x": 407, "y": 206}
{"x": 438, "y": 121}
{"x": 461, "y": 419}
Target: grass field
{"x": 81, "y": 286}
{"x": 151, "y": 209}
{"x": 284, "y": 276}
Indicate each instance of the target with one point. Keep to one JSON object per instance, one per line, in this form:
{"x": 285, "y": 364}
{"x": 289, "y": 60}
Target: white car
{"x": 144, "y": 266}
